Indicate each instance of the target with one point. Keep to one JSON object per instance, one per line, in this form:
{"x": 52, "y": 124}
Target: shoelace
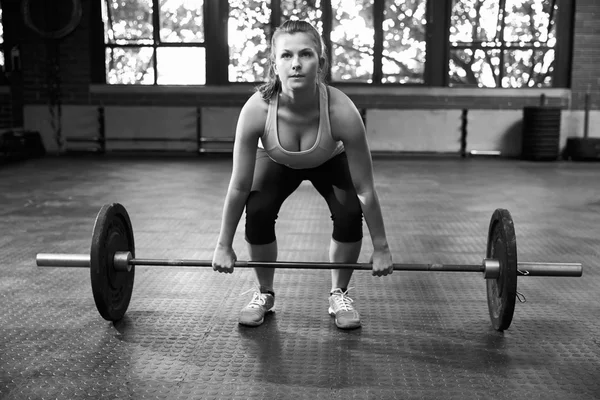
{"x": 342, "y": 300}
{"x": 258, "y": 300}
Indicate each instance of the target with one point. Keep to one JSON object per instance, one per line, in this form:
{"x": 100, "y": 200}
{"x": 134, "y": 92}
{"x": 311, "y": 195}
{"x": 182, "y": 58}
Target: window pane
{"x": 129, "y": 66}
{"x": 528, "y": 21}
{"x": 474, "y": 20}
{"x": 181, "y": 65}
{"x": 404, "y": 47}
{"x": 248, "y": 29}
{"x": 526, "y": 38}
{"x": 127, "y": 21}
{"x": 182, "y": 21}
{"x": 477, "y": 68}
{"x": 306, "y": 10}
{"x": 528, "y": 68}
{"x": 1, "y": 28}
{"x": 352, "y": 40}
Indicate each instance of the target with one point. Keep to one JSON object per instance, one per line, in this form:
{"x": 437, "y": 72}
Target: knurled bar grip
{"x": 524, "y": 268}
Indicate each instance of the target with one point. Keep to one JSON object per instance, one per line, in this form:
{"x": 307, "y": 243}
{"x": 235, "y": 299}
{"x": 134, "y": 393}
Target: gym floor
{"x": 425, "y": 335}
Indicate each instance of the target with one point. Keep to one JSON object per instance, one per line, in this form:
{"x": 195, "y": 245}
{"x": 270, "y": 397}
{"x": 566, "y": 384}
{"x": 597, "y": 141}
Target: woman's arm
{"x": 347, "y": 126}
{"x": 249, "y": 128}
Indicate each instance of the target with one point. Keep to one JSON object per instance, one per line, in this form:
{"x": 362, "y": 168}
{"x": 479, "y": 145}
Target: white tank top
{"x": 324, "y": 148}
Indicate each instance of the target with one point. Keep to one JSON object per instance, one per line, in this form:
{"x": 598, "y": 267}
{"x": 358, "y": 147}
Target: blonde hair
{"x": 272, "y": 86}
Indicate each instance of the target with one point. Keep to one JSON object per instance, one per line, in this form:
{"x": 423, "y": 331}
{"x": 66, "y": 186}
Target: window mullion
{"x": 275, "y": 20}
{"x": 222, "y": 40}
{"x": 327, "y": 26}
{"x": 438, "y": 45}
{"x": 97, "y": 45}
{"x": 378, "y": 11}
{"x": 562, "y": 50}
{"x": 503, "y": 48}
{"x": 155, "y": 37}
{"x": 215, "y": 43}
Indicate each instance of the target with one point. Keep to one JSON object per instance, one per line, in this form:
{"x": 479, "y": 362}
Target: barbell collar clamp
{"x": 491, "y": 268}
{"x": 122, "y": 261}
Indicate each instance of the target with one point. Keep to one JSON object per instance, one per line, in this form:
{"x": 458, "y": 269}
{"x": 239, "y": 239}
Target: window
{"x": 404, "y": 41}
{"x": 152, "y": 42}
{"x": 502, "y": 43}
{"x": 457, "y": 43}
{"x": 352, "y": 40}
{"x": 349, "y": 33}
{"x": 248, "y": 26}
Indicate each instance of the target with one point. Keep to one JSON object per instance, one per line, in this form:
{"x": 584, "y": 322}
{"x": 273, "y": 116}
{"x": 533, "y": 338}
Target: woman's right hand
{"x": 224, "y": 259}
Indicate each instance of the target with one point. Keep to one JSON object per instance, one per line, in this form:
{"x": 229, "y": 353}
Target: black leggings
{"x": 274, "y": 182}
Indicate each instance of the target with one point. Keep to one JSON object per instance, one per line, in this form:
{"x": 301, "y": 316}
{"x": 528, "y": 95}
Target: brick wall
{"x": 586, "y": 53}
{"x": 75, "y": 73}
{"x": 73, "y": 55}
{"x": 5, "y": 110}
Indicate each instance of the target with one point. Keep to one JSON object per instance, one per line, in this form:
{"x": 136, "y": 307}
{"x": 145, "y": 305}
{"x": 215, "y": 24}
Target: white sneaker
{"x": 254, "y": 313}
{"x": 340, "y": 307}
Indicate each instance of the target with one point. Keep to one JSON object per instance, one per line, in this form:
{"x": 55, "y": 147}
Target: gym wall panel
{"x": 151, "y": 128}
{"x": 217, "y": 127}
{"x": 176, "y": 128}
{"x": 81, "y": 127}
{"x": 495, "y": 130}
{"x": 501, "y": 130}
{"x": 573, "y": 124}
{"x": 76, "y": 122}
{"x": 414, "y": 130}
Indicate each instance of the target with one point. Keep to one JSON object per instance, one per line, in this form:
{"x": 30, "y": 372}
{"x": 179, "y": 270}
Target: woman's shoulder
{"x": 343, "y": 114}
{"x": 335, "y": 94}
{"x": 339, "y": 101}
{"x": 256, "y": 107}
{"x": 253, "y": 115}
{"x": 340, "y": 105}
{"x": 256, "y": 102}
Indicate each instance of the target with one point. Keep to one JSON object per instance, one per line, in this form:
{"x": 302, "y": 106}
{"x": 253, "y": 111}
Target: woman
{"x": 296, "y": 128}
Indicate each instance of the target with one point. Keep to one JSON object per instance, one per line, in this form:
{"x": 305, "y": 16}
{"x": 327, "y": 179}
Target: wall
{"x": 586, "y": 54}
{"x": 5, "y": 109}
{"x": 430, "y": 118}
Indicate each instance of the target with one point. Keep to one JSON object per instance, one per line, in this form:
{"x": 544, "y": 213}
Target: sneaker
{"x": 340, "y": 307}
{"x": 254, "y": 313}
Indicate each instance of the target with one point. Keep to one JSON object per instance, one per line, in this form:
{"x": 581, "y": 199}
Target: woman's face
{"x": 296, "y": 60}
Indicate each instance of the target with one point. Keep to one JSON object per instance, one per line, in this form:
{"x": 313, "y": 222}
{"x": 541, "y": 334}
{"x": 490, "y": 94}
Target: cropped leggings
{"x": 274, "y": 182}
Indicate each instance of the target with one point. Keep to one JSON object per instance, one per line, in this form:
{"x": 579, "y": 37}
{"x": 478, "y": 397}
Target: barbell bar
{"x": 490, "y": 268}
{"x": 112, "y": 265}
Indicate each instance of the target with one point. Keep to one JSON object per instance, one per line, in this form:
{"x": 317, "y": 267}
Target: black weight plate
{"x": 112, "y": 289}
{"x": 502, "y": 292}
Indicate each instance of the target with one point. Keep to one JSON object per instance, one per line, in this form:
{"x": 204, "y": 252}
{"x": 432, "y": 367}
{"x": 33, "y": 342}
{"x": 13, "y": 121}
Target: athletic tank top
{"x": 323, "y": 149}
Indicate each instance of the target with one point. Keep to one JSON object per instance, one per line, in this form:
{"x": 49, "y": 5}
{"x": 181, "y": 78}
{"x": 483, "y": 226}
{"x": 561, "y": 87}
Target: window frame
{"x": 562, "y": 28}
{"x": 3, "y": 79}
{"x": 156, "y": 41}
{"x": 436, "y": 69}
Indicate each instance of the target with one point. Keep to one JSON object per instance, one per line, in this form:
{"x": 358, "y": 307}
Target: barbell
{"x": 112, "y": 265}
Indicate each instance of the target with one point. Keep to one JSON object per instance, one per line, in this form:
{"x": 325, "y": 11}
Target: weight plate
{"x": 112, "y": 289}
{"x": 502, "y": 292}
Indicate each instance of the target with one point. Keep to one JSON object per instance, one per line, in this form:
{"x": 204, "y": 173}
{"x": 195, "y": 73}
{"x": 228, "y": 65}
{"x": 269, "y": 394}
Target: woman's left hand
{"x": 382, "y": 262}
